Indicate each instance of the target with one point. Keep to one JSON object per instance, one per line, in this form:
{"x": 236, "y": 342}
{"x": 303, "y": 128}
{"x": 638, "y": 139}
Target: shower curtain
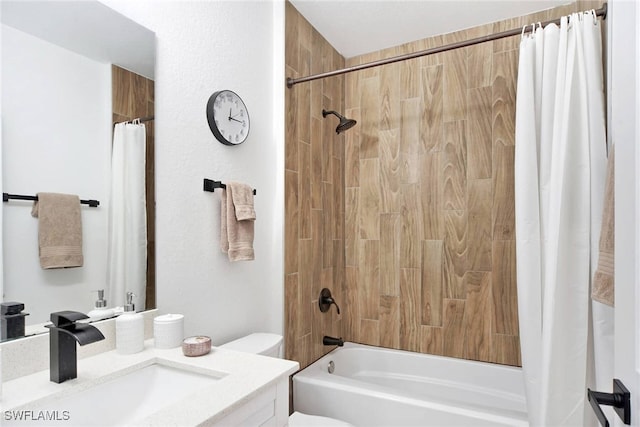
{"x": 560, "y": 159}
{"x": 127, "y": 253}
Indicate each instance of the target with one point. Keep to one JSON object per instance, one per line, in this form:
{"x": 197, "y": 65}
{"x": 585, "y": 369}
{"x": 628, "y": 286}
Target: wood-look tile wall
{"x": 430, "y": 226}
{"x": 133, "y": 97}
{"x": 429, "y": 229}
{"x": 314, "y": 192}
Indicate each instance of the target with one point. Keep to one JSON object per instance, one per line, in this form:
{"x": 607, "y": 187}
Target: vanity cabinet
{"x": 268, "y": 408}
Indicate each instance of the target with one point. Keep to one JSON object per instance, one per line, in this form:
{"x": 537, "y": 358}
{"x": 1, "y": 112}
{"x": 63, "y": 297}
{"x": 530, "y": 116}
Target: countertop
{"x": 244, "y": 376}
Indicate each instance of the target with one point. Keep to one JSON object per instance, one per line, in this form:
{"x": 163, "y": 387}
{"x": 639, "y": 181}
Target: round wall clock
{"x": 228, "y": 117}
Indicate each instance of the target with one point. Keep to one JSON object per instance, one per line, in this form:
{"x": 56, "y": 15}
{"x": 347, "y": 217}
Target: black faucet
{"x": 332, "y": 341}
{"x": 12, "y": 320}
{"x": 63, "y": 334}
{"x": 325, "y": 300}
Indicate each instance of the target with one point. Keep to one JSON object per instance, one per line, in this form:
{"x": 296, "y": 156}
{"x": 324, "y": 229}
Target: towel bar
{"x": 211, "y": 185}
{"x": 7, "y": 196}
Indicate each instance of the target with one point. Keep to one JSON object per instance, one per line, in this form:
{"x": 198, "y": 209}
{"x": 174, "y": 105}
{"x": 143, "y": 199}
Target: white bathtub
{"x": 373, "y": 386}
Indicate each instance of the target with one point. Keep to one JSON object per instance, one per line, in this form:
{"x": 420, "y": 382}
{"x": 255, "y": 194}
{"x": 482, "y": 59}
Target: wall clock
{"x": 228, "y": 117}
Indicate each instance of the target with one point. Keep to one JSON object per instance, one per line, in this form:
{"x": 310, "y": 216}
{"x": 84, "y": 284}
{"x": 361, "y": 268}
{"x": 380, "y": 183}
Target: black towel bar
{"x": 211, "y": 185}
{"x": 7, "y": 196}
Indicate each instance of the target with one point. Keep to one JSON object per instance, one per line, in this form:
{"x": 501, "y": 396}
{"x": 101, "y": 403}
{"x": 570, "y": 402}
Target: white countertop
{"x": 244, "y": 376}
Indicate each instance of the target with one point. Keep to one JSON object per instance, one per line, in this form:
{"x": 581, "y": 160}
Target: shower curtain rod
{"x": 141, "y": 119}
{"x": 291, "y": 82}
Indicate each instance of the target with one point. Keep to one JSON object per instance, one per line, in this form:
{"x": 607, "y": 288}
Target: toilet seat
{"x": 298, "y": 419}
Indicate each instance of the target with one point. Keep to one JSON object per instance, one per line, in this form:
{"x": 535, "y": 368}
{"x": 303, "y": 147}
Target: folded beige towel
{"x": 59, "y": 230}
{"x": 242, "y": 201}
{"x": 236, "y": 235}
{"x": 603, "y": 283}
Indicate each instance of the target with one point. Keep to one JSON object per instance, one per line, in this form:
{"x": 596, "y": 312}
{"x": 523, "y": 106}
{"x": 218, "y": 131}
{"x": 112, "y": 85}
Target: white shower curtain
{"x": 560, "y": 159}
{"x": 127, "y": 254}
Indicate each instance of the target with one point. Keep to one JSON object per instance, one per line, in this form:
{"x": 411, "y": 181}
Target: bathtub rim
{"x": 316, "y": 374}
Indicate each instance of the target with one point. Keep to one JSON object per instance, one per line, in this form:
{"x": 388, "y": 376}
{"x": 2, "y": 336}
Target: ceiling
{"x": 355, "y": 27}
{"x": 91, "y": 29}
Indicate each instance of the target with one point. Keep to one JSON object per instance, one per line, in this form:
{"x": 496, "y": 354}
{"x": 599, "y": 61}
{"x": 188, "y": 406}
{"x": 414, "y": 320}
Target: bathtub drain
{"x": 331, "y": 367}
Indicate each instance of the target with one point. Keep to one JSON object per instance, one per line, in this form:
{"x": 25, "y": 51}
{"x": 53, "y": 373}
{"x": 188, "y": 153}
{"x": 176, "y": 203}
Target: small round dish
{"x": 196, "y": 346}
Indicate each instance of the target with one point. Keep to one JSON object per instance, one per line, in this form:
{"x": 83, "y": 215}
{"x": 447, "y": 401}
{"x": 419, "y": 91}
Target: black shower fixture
{"x": 344, "y": 122}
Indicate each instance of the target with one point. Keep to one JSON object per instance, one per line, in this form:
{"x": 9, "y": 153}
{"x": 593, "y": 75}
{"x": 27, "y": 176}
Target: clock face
{"x": 228, "y": 117}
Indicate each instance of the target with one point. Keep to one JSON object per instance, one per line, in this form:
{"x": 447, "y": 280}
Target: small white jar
{"x": 168, "y": 330}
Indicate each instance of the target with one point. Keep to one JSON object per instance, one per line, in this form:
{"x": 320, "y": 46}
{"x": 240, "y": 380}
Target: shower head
{"x": 344, "y": 122}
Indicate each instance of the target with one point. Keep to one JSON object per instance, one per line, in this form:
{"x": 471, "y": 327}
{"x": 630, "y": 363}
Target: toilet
{"x": 268, "y": 344}
{"x": 258, "y": 343}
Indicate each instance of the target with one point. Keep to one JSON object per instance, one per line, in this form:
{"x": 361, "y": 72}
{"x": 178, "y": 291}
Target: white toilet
{"x": 271, "y": 345}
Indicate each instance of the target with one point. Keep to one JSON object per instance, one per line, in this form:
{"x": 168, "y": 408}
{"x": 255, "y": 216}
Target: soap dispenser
{"x": 100, "y": 310}
{"x": 129, "y": 329}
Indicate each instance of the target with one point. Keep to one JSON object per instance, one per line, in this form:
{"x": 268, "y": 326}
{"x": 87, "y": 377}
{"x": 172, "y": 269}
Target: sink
{"x": 122, "y": 400}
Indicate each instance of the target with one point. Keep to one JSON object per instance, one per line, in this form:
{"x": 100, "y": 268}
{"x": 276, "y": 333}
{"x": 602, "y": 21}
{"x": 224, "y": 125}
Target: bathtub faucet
{"x": 325, "y": 300}
{"x": 332, "y": 341}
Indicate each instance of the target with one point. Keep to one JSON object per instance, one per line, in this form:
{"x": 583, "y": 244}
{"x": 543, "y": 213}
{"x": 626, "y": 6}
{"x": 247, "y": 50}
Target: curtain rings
{"x": 524, "y": 29}
{"x": 536, "y": 29}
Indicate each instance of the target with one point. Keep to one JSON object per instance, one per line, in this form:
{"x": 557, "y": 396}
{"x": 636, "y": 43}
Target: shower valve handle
{"x": 325, "y": 300}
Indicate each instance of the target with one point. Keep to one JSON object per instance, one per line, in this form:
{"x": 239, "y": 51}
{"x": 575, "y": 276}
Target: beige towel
{"x": 236, "y": 235}
{"x": 59, "y": 230}
{"x": 242, "y": 201}
{"x": 603, "y": 283}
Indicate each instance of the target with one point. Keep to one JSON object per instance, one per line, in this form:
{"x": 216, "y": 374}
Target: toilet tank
{"x": 262, "y": 343}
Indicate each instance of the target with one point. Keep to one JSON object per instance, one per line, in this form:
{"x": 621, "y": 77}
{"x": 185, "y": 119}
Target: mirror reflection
{"x": 70, "y": 70}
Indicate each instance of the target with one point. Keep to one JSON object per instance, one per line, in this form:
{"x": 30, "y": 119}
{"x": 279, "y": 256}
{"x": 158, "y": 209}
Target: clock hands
{"x": 234, "y": 117}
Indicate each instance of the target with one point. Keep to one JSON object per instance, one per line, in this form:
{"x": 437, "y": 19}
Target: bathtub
{"x": 372, "y": 386}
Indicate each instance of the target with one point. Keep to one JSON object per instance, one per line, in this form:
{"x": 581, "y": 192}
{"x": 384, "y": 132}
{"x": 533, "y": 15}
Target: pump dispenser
{"x": 129, "y": 329}
{"x": 100, "y": 310}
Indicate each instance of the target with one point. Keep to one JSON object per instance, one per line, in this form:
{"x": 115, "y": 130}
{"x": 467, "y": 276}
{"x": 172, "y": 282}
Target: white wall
{"x": 624, "y": 104}
{"x": 203, "y": 47}
{"x": 56, "y": 138}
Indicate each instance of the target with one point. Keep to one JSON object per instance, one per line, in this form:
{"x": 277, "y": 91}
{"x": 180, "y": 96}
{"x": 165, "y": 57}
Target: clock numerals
{"x": 228, "y": 117}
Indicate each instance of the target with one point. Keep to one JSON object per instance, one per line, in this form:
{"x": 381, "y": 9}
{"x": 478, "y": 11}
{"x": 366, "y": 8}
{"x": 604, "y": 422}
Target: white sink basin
{"x": 119, "y": 401}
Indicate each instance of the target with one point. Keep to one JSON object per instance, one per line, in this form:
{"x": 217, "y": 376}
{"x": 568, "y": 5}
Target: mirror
{"x": 58, "y": 62}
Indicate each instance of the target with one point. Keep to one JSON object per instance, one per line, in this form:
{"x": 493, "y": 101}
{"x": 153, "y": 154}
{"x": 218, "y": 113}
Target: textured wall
{"x": 314, "y": 192}
{"x": 201, "y": 49}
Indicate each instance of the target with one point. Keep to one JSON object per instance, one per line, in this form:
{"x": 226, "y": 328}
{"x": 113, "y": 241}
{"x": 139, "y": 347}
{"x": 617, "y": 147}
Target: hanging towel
{"x": 603, "y": 283}
{"x": 242, "y": 201}
{"x": 236, "y": 235}
{"x": 224, "y": 236}
{"x": 59, "y": 230}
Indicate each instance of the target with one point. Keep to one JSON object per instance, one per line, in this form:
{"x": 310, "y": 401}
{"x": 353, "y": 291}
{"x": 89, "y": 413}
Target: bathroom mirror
{"x": 57, "y": 110}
